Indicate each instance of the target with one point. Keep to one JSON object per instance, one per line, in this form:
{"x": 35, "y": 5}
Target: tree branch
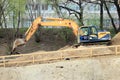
{"x": 74, "y": 2}
{"x": 112, "y": 21}
{"x": 69, "y": 9}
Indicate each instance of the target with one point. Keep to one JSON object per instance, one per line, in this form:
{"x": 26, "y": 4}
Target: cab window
{"x": 84, "y": 30}
{"x": 93, "y": 30}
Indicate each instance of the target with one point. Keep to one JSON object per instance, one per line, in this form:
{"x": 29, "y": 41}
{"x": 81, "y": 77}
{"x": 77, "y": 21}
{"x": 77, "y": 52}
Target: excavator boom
{"x": 55, "y": 22}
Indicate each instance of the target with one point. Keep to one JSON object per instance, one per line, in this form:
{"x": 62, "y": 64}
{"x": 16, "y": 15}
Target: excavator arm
{"x": 55, "y": 22}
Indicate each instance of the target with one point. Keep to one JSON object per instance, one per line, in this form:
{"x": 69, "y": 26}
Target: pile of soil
{"x": 116, "y": 39}
{"x": 45, "y": 39}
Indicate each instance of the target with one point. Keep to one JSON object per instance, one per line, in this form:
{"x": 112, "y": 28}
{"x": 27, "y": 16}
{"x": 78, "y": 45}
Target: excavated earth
{"x": 49, "y": 40}
{"x": 116, "y": 39}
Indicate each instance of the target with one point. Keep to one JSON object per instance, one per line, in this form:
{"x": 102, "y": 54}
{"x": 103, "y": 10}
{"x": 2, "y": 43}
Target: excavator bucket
{"x": 18, "y": 42}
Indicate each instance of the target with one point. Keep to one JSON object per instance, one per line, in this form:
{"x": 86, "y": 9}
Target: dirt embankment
{"x": 50, "y": 39}
{"x": 116, "y": 39}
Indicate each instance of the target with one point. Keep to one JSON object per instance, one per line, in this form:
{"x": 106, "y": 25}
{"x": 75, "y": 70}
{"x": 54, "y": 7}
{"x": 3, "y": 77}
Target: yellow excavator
{"x": 84, "y": 34}
{"x": 45, "y": 22}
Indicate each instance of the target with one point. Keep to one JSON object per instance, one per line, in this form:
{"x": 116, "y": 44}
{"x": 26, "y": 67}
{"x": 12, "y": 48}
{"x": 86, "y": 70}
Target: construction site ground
{"x": 94, "y": 68}
{"x": 98, "y": 68}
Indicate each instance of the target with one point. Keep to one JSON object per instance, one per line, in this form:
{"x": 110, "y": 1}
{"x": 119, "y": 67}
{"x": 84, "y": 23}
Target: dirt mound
{"x": 49, "y": 39}
{"x": 116, "y": 39}
{"x": 45, "y": 39}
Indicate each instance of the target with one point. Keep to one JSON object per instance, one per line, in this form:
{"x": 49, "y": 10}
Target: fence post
{"x": 116, "y": 50}
{"x": 33, "y": 59}
{"x": 91, "y": 52}
{"x": 61, "y": 55}
{"x": 4, "y": 62}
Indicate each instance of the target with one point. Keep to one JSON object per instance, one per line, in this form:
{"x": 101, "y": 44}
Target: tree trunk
{"x": 4, "y": 19}
{"x": 13, "y": 20}
{"x": 118, "y": 11}
{"x": 81, "y": 13}
{"x": 112, "y": 20}
{"x": 0, "y": 15}
{"x": 101, "y": 15}
{"x": 18, "y": 25}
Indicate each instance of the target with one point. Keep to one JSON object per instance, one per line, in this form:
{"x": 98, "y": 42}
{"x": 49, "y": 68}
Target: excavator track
{"x": 97, "y": 43}
{"x": 92, "y": 44}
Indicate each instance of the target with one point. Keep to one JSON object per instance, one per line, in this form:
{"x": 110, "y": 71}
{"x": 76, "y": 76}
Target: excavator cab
{"x": 90, "y": 34}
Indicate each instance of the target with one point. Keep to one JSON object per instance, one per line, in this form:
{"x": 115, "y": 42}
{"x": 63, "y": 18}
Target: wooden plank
{"x": 115, "y": 50}
{"x": 17, "y": 62}
{"x": 4, "y": 61}
{"x": 33, "y": 59}
{"x": 118, "y": 53}
{"x": 91, "y": 52}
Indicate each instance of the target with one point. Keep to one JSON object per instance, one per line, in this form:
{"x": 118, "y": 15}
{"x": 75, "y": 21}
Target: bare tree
{"x": 105, "y": 3}
{"x": 33, "y": 8}
{"x": 64, "y": 5}
{"x": 115, "y": 2}
{"x": 3, "y": 6}
{"x": 118, "y": 12}
{"x": 101, "y": 15}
